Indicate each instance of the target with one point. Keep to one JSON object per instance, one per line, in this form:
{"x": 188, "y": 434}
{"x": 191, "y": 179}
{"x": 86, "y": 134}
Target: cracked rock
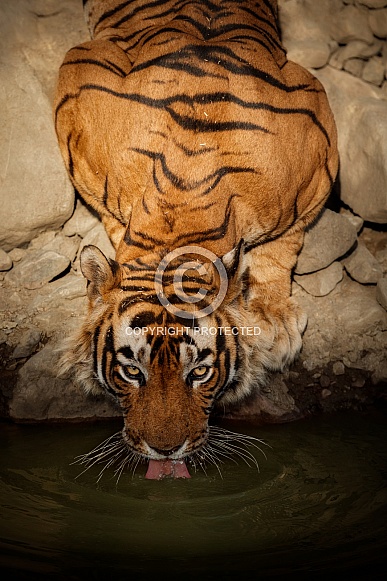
{"x": 323, "y": 282}
{"x": 362, "y": 266}
{"x": 326, "y": 241}
{"x": 38, "y": 268}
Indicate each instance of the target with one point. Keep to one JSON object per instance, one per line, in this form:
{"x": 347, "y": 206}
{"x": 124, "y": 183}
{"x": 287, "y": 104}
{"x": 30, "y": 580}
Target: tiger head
{"x": 167, "y": 367}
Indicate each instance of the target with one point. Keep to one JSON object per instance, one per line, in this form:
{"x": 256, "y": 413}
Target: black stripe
{"x": 112, "y": 69}
{"x": 113, "y": 11}
{"x": 108, "y": 349}
{"x": 126, "y": 352}
{"x": 185, "y": 186}
{"x": 198, "y": 124}
{"x": 71, "y": 161}
{"x": 143, "y": 319}
{"x": 141, "y": 8}
{"x": 96, "y": 335}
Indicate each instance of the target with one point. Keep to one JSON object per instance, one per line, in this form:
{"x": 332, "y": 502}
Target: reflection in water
{"x": 317, "y": 505}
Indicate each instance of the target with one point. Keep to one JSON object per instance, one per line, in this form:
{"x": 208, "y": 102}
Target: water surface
{"x": 318, "y": 505}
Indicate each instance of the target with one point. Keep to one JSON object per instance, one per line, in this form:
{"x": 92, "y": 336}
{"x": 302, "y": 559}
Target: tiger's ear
{"x": 103, "y": 273}
{"x": 233, "y": 263}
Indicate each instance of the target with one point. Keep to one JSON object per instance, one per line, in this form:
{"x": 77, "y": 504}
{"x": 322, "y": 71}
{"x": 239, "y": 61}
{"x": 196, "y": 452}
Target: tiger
{"x": 206, "y": 154}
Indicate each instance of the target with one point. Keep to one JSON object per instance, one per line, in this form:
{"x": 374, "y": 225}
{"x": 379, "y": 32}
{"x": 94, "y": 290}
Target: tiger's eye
{"x": 132, "y": 370}
{"x": 200, "y": 371}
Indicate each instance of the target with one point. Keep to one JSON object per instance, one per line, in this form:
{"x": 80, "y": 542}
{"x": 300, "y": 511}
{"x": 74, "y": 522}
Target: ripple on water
{"x": 320, "y": 494}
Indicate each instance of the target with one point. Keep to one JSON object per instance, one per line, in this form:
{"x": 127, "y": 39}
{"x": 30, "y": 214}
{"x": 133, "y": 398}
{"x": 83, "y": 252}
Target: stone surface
{"x": 347, "y": 325}
{"x": 362, "y": 266}
{"x": 311, "y": 54}
{"x": 35, "y": 192}
{"x": 27, "y": 344}
{"x": 326, "y": 241}
{"x": 356, "y": 221}
{"x": 381, "y": 292}
{"x": 5, "y": 261}
{"x": 305, "y": 30}
{"x": 354, "y": 49}
{"x": 38, "y": 268}
{"x": 381, "y": 257}
{"x": 373, "y": 71}
{"x": 351, "y": 23}
{"x": 378, "y": 22}
{"x": 273, "y": 404}
{"x": 81, "y": 222}
{"x": 16, "y": 254}
{"x": 373, "y": 3}
{"x": 321, "y": 283}
{"x": 354, "y": 66}
{"x": 361, "y": 118}
{"x": 338, "y": 368}
{"x": 40, "y": 395}
{"x": 64, "y": 245}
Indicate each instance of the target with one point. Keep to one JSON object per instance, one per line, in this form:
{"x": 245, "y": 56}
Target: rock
{"x": 311, "y": 54}
{"x": 381, "y": 292}
{"x": 57, "y": 314}
{"x": 325, "y": 393}
{"x": 16, "y": 254}
{"x": 348, "y": 326}
{"x": 326, "y": 241}
{"x": 306, "y": 30}
{"x": 358, "y": 382}
{"x": 373, "y": 3}
{"x": 64, "y": 245}
{"x": 373, "y": 71}
{"x": 81, "y": 222}
{"x": 323, "y": 282}
{"x": 36, "y": 193}
{"x": 357, "y": 221}
{"x": 354, "y": 49}
{"x": 27, "y": 344}
{"x": 362, "y": 144}
{"x": 325, "y": 381}
{"x": 380, "y": 373}
{"x": 338, "y": 368}
{"x": 40, "y": 395}
{"x": 354, "y": 66}
{"x": 362, "y": 266}
{"x": 351, "y": 23}
{"x": 5, "y": 261}
{"x": 59, "y": 299}
{"x": 378, "y": 22}
{"x": 42, "y": 240}
{"x": 38, "y": 268}
{"x": 273, "y": 404}
{"x": 70, "y": 287}
{"x": 357, "y": 313}
{"x": 381, "y": 257}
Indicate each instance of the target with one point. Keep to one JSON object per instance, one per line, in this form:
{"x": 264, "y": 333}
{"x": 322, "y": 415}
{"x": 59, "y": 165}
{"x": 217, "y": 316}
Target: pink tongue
{"x": 158, "y": 469}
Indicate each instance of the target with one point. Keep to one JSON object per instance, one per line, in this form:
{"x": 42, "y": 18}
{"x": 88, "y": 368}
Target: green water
{"x": 317, "y": 506}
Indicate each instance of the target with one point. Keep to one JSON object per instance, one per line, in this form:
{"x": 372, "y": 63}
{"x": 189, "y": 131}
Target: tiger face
{"x": 167, "y": 377}
{"x": 167, "y": 372}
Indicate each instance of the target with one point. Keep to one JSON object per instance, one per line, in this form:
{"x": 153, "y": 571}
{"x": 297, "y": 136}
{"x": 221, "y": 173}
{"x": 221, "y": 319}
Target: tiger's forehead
{"x": 147, "y": 336}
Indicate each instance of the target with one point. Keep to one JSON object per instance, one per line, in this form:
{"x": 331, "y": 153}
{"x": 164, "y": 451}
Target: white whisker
{"x": 111, "y": 451}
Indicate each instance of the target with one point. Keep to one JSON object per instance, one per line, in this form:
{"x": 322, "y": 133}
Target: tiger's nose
{"x": 166, "y": 451}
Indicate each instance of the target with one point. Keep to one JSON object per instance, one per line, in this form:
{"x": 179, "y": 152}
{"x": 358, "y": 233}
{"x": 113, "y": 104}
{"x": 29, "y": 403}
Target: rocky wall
{"x": 341, "y": 276}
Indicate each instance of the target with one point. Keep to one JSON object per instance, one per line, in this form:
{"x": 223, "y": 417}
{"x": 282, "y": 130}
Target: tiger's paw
{"x": 281, "y": 327}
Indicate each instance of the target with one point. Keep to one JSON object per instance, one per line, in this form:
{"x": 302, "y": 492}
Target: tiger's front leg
{"x": 268, "y": 296}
